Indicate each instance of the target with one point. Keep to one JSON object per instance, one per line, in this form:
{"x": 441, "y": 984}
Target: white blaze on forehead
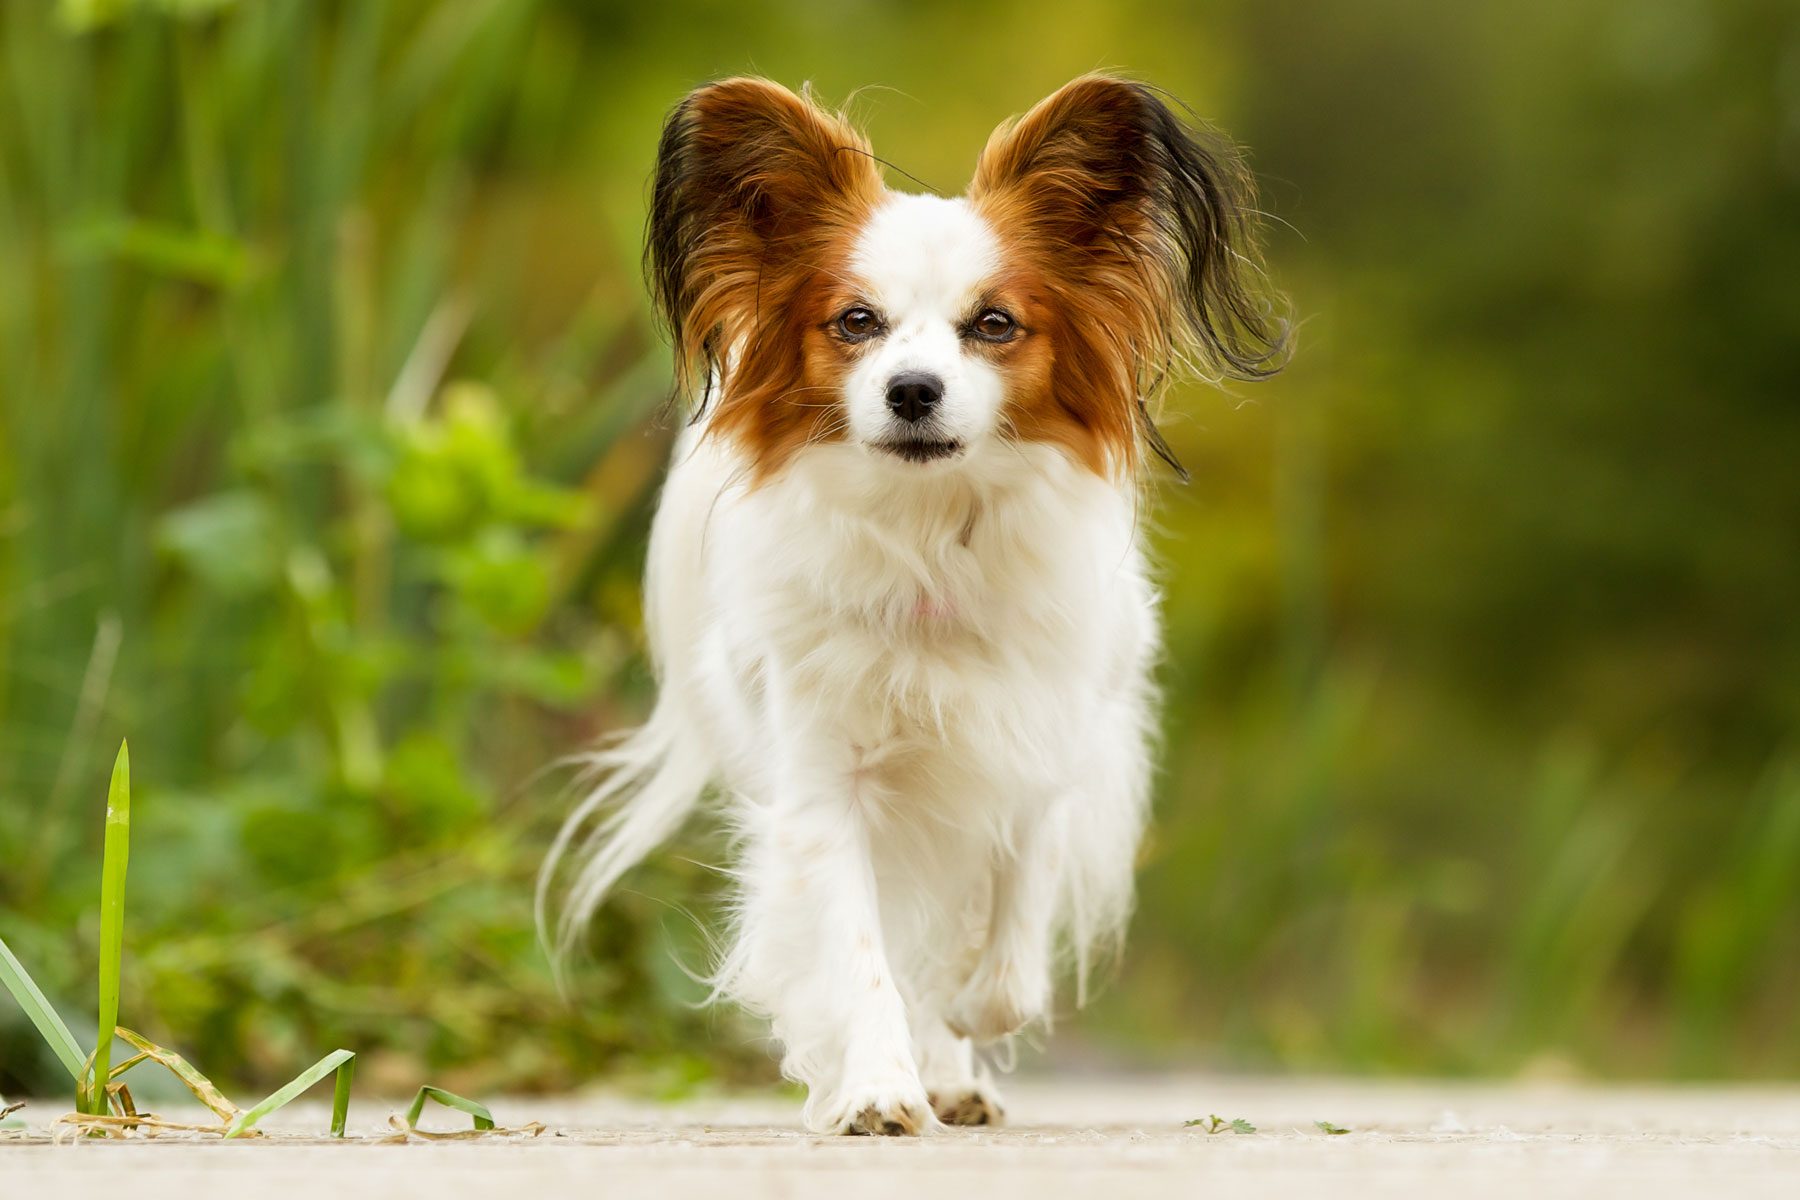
{"x": 922, "y": 263}
{"x": 925, "y": 256}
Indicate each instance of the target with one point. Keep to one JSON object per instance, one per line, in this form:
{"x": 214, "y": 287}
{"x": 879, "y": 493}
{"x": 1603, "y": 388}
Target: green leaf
{"x": 1214, "y": 1123}
{"x": 550, "y": 677}
{"x": 1207, "y": 1124}
{"x": 531, "y": 503}
{"x": 430, "y": 498}
{"x": 80, "y": 16}
{"x": 42, "y": 1014}
{"x": 85, "y": 16}
{"x": 426, "y": 784}
{"x": 483, "y": 1118}
{"x": 1328, "y": 1127}
{"x": 341, "y": 1061}
{"x": 195, "y": 255}
{"x": 230, "y": 540}
{"x": 112, "y": 920}
{"x": 502, "y": 580}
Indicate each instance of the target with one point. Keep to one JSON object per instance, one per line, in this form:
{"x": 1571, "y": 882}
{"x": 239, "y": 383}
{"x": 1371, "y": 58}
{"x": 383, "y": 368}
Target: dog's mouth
{"x": 921, "y": 450}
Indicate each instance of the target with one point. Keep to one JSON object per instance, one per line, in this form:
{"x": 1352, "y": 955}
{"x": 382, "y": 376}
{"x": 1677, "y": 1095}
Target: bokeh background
{"x": 329, "y": 436}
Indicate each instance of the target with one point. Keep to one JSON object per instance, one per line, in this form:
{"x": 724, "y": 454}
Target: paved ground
{"x": 1110, "y": 1139}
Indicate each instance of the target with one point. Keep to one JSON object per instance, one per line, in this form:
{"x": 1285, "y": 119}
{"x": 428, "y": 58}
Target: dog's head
{"x": 1101, "y": 243}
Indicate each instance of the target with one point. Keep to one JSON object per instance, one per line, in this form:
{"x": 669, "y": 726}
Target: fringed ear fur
{"x": 752, "y": 182}
{"x": 1148, "y": 224}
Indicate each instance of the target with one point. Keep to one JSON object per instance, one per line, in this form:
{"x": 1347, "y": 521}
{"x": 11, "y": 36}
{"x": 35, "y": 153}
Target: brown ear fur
{"x": 1140, "y": 228}
{"x": 757, "y": 194}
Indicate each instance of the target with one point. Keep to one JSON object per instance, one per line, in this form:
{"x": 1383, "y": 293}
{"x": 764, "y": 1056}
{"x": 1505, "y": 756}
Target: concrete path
{"x": 1095, "y": 1138}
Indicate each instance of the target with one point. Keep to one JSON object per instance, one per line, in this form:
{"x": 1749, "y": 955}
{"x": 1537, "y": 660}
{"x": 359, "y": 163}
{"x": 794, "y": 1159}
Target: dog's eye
{"x": 858, "y": 324}
{"x": 994, "y": 325}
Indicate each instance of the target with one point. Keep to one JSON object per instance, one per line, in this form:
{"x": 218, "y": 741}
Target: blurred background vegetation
{"x": 328, "y": 440}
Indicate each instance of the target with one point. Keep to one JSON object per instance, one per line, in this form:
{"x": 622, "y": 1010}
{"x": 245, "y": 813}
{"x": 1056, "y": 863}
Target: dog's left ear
{"x": 1145, "y": 213}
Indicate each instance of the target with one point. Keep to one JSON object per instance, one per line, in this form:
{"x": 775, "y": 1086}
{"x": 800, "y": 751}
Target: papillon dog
{"x": 897, "y": 593}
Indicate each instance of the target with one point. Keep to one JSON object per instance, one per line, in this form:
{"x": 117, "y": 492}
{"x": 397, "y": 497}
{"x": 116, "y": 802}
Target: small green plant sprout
{"x": 408, "y": 1127}
{"x": 1328, "y": 1127}
{"x": 1214, "y": 1123}
{"x": 483, "y": 1118}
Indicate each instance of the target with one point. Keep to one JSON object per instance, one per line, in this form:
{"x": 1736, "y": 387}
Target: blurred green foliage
{"x": 327, "y": 449}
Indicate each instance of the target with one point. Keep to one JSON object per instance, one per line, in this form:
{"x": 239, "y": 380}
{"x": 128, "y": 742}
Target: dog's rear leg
{"x": 1010, "y": 985}
{"x": 961, "y": 1092}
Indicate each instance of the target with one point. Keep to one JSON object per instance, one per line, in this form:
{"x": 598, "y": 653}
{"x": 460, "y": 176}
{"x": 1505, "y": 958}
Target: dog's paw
{"x": 968, "y": 1104}
{"x": 881, "y": 1111}
{"x": 998, "y": 1001}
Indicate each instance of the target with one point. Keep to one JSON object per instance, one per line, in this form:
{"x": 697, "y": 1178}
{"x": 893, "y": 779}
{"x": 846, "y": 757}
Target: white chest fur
{"x": 914, "y": 616}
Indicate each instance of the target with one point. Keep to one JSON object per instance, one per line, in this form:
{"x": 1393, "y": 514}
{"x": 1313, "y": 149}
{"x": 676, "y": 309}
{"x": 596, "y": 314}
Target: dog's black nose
{"x": 912, "y": 396}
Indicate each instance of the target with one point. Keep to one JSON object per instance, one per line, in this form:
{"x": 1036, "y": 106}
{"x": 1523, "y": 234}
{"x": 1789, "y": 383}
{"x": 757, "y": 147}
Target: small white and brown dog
{"x": 896, "y": 591}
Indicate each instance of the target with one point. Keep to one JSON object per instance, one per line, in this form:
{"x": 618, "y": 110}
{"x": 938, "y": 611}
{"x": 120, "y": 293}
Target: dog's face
{"x": 928, "y": 338}
{"x": 1100, "y": 241}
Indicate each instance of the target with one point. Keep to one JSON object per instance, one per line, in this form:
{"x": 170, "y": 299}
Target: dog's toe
{"x": 973, "y": 1105}
{"x": 886, "y": 1116}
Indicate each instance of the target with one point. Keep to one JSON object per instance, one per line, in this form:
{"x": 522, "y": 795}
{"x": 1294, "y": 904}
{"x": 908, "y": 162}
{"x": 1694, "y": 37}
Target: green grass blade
{"x": 340, "y": 1097}
{"x": 25, "y": 990}
{"x": 112, "y": 919}
{"x": 483, "y": 1118}
{"x": 337, "y": 1060}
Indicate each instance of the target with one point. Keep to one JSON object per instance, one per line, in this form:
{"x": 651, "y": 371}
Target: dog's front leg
{"x": 812, "y": 938}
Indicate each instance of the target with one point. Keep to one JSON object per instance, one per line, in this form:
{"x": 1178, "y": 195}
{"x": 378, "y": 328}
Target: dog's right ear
{"x": 752, "y": 183}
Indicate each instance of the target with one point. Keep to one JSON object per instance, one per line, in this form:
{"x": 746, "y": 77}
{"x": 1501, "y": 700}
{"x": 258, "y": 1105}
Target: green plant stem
{"x": 112, "y": 921}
